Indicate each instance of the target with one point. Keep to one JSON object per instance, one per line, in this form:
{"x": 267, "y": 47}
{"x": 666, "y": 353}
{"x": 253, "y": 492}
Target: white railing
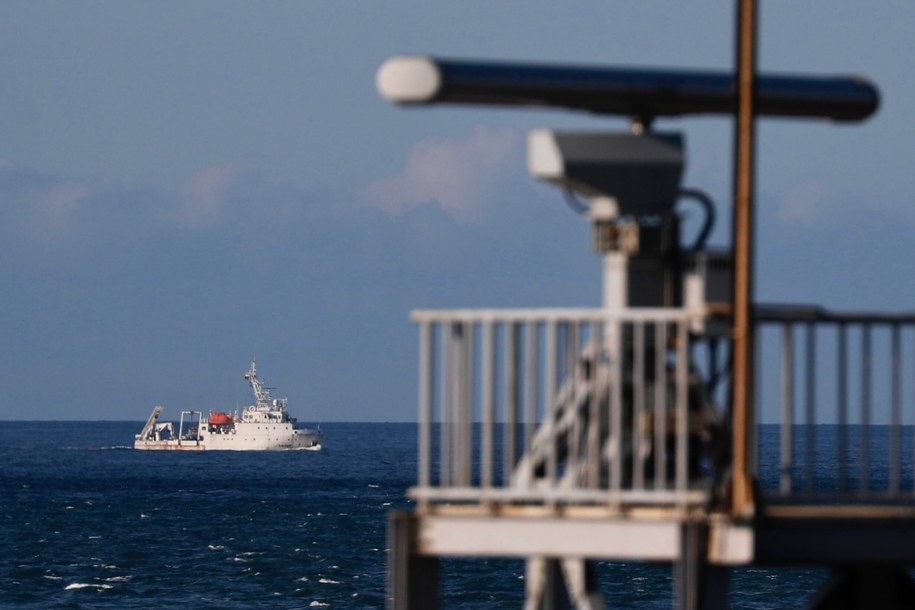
{"x": 590, "y": 406}
{"x": 559, "y": 406}
{"x": 844, "y": 388}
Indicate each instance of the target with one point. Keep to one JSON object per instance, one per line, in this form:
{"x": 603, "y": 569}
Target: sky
{"x": 185, "y": 186}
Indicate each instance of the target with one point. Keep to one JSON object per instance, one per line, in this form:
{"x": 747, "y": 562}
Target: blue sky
{"x": 185, "y": 186}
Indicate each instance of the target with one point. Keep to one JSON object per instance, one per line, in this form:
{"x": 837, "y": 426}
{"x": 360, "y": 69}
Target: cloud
{"x": 57, "y": 204}
{"x": 803, "y": 202}
{"x": 204, "y": 195}
{"x": 458, "y": 175}
{"x": 33, "y": 198}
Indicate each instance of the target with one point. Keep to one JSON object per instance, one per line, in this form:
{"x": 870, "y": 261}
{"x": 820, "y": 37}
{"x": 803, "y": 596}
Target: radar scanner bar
{"x": 642, "y": 94}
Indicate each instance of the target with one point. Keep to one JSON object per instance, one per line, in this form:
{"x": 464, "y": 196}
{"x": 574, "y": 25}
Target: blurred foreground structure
{"x": 627, "y": 432}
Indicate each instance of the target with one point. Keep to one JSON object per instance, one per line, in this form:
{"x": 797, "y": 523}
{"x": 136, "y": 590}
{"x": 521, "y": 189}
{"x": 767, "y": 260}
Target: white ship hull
{"x": 246, "y": 437}
{"x": 263, "y": 426}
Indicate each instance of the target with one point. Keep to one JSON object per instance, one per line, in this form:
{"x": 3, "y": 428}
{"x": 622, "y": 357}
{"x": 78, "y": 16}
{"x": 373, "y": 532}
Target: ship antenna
{"x": 261, "y": 394}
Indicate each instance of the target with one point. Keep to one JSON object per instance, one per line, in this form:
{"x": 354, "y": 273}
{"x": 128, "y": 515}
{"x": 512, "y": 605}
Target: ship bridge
{"x": 630, "y": 431}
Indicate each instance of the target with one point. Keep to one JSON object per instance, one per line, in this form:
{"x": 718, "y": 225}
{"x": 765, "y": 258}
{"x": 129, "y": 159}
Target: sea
{"x": 88, "y": 522}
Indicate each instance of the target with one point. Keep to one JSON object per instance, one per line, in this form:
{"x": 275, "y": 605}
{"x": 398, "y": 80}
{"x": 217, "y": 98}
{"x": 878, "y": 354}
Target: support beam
{"x": 413, "y": 580}
{"x": 559, "y": 584}
{"x": 582, "y": 585}
{"x": 543, "y": 585}
{"x": 698, "y": 584}
{"x": 506, "y": 536}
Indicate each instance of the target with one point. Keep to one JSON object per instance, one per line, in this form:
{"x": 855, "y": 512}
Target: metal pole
{"x": 742, "y": 375}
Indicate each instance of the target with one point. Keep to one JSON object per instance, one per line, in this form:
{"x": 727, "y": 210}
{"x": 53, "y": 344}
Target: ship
{"x": 263, "y": 426}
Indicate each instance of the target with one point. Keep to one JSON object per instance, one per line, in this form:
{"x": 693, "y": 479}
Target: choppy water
{"x": 87, "y": 522}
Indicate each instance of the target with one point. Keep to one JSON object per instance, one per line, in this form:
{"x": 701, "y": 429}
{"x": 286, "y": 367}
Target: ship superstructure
{"x": 263, "y": 426}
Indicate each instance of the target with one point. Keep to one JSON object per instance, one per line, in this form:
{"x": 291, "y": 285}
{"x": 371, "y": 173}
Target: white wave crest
{"x": 86, "y": 585}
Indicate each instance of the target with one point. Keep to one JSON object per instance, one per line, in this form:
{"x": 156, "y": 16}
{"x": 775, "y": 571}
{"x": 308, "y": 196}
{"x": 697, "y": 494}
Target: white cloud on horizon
{"x": 58, "y": 214}
{"x": 40, "y": 208}
{"x": 457, "y": 174}
{"x": 204, "y": 194}
{"x": 803, "y": 202}
{"x": 56, "y": 205}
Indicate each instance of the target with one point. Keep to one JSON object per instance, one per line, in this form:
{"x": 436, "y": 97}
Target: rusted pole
{"x": 743, "y": 334}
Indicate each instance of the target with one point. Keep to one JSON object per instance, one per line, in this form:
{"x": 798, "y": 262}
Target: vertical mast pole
{"x": 743, "y": 332}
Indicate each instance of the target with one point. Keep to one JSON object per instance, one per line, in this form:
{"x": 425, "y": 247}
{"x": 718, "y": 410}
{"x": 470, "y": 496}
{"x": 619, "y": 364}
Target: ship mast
{"x": 261, "y": 394}
{"x": 262, "y": 398}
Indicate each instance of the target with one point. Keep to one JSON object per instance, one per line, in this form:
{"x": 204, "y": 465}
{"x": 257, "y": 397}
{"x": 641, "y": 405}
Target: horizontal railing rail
{"x": 559, "y": 406}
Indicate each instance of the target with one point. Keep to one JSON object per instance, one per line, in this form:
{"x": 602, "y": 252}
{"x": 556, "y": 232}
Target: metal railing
{"x": 559, "y": 406}
{"x": 589, "y": 406}
{"x": 837, "y": 395}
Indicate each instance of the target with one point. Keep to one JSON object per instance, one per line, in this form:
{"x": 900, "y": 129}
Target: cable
{"x": 706, "y": 202}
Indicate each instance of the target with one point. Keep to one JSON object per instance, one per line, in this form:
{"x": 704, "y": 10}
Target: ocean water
{"x": 87, "y": 522}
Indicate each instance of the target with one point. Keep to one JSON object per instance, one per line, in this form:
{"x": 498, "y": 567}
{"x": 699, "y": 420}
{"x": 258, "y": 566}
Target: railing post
{"x": 615, "y": 404}
{"x": 787, "y": 441}
{"x": 464, "y": 405}
{"x": 572, "y": 373}
{"x": 595, "y": 373}
{"x": 638, "y": 403}
{"x": 512, "y": 399}
{"x": 489, "y": 401}
{"x": 426, "y": 394}
{"x": 530, "y": 405}
{"x": 842, "y": 391}
{"x": 865, "y": 408}
{"x": 449, "y": 368}
{"x": 682, "y": 409}
{"x": 660, "y": 407}
{"x": 549, "y": 399}
{"x": 810, "y": 407}
{"x": 895, "y": 412}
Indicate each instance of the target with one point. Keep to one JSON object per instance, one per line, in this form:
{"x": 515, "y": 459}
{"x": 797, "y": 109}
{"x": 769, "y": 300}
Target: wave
{"x": 87, "y": 585}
